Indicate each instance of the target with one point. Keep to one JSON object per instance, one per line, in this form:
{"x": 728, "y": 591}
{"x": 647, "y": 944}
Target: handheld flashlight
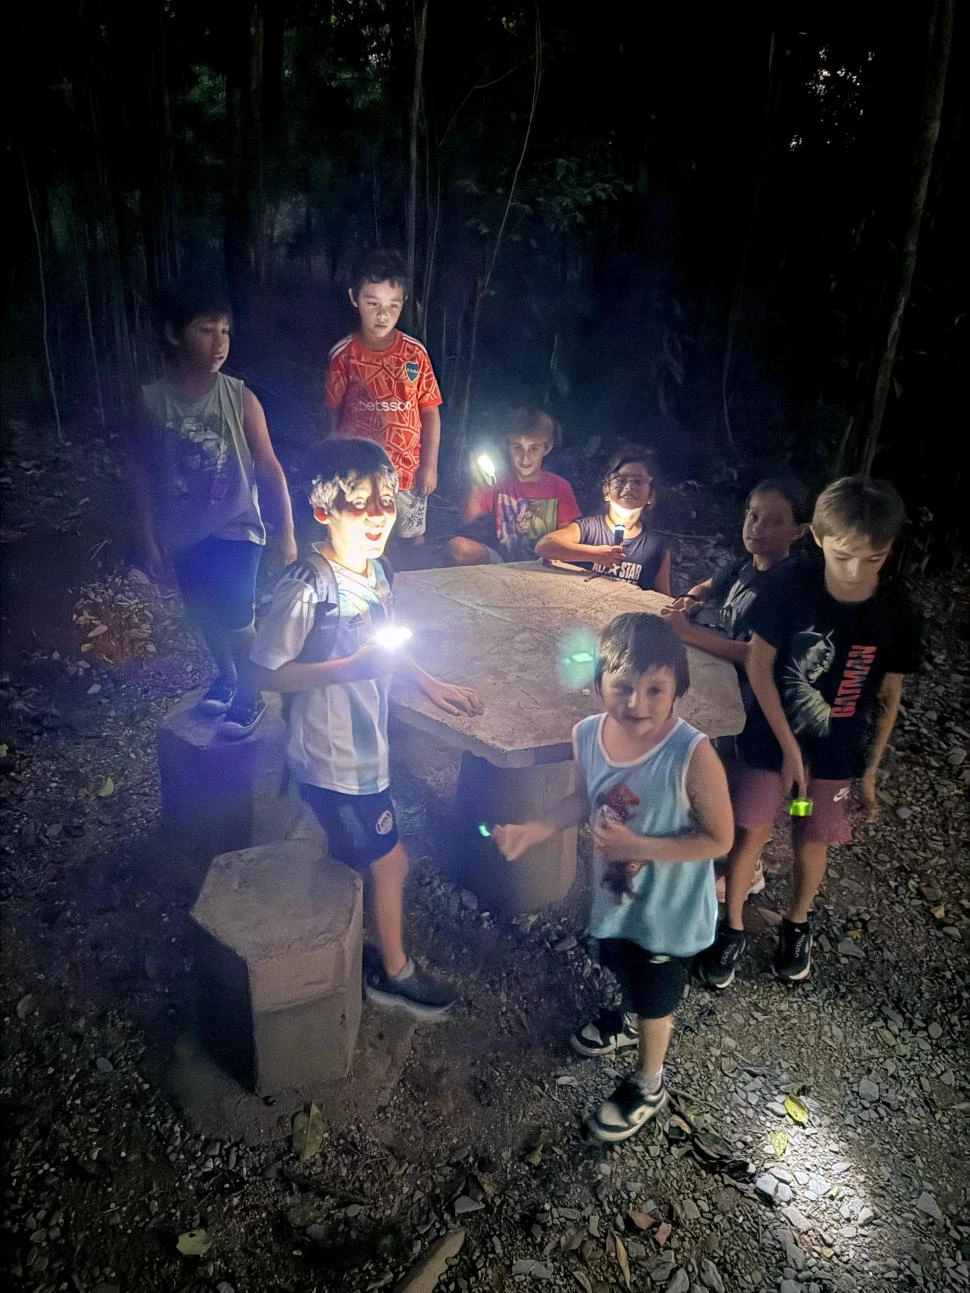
{"x": 392, "y": 636}
{"x": 487, "y": 467}
{"x": 618, "y": 533}
{"x": 801, "y": 807}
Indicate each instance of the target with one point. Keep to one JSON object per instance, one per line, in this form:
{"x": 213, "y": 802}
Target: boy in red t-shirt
{"x": 381, "y": 386}
{"x": 503, "y": 521}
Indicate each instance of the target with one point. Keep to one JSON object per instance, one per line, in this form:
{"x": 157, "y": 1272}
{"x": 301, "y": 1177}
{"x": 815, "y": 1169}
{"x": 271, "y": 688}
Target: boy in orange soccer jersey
{"x": 381, "y": 386}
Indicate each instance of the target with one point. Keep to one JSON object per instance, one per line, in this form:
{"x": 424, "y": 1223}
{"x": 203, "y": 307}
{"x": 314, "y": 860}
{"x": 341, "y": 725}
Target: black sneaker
{"x": 607, "y": 1033}
{"x": 242, "y": 718}
{"x": 718, "y": 964}
{"x": 419, "y": 994}
{"x": 793, "y": 958}
{"x": 219, "y": 696}
{"x": 627, "y": 1110}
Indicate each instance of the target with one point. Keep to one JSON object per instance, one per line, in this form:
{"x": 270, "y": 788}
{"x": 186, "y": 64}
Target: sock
{"x": 650, "y": 1084}
{"x": 405, "y": 973}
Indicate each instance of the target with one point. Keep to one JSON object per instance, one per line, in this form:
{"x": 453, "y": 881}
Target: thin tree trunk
{"x": 52, "y": 386}
{"x": 83, "y": 276}
{"x": 414, "y": 122}
{"x": 934, "y": 88}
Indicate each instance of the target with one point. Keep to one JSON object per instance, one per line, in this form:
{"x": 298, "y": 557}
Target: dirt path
{"x": 476, "y": 1123}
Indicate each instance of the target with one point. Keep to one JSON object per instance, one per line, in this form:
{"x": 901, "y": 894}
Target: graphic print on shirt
{"x": 523, "y": 521}
{"x": 812, "y": 656}
{"x": 617, "y": 805}
{"x": 630, "y": 571}
{"x": 201, "y": 458}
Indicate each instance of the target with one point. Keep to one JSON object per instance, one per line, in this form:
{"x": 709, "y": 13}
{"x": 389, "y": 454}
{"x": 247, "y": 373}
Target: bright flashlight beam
{"x": 487, "y": 467}
{"x": 392, "y": 636}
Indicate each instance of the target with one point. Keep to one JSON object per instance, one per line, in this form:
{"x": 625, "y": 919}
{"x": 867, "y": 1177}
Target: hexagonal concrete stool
{"x": 278, "y": 944}
{"x": 220, "y": 795}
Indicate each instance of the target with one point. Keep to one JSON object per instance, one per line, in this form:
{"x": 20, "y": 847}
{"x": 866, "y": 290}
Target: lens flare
{"x": 392, "y": 636}
{"x": 486, "y": 466}
{"x": 577, "y": 660}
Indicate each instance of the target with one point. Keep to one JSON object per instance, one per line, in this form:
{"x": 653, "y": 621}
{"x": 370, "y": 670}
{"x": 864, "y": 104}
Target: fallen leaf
{"x": 98, "y": 630}
{"x": 796, "y": 1110}
{"x": 106, "y": 788}
{"x": 728, "y": 1065}
{"x": 939, "y": 912}
{"x": 677, "y": 1121}
{"x": 534, "y": 1156}
{"x": 194, "y": 1243}
{"x": 779, "y": 1142}
{"x": 307, "y": 1132}
{"x": 622, "y": 1258}
{"x": 26, "y": 1006}
{"x": 582, "y": 1279}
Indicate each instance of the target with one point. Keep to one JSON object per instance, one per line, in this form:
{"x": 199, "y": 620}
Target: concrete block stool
{"x": 278, "y": 938}
{"x": 487, "y": 793}
{"x": 220, "y": 795}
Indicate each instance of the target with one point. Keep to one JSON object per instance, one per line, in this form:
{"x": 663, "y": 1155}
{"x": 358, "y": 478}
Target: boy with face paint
{"x": 337, "y": 747}
{"x": 655, "y": 793}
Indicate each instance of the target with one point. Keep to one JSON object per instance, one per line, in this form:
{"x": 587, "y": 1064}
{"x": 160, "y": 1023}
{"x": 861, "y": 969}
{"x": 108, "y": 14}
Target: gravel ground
{"x": 474, "y": 1128}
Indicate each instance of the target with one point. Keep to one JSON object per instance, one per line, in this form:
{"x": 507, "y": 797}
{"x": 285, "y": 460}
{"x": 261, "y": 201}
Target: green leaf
{"x": 106, "y": 788}
{"x": 796, "y": 1110}
{"x": 779, "y": 1142}
{"x": 534, "y": 1156}
{"x": 194, "y": 1243}
{"x": 308, "y": 1132}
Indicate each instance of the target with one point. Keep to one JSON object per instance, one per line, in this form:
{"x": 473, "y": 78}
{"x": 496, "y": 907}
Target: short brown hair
{"x": 529, "y": 419}
{"x": 635, "y": 642}
{"x": 859, "y": 505}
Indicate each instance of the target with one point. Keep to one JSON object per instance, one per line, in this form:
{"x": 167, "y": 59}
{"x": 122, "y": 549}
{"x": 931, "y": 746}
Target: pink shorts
{"x": 756, "y": 795}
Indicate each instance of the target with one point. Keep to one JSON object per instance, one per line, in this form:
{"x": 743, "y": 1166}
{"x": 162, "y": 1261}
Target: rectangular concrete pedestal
{"x": 494, "y": 795}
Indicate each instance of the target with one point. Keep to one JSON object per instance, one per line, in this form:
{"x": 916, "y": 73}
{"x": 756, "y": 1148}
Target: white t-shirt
{"x": 337, "y": 735}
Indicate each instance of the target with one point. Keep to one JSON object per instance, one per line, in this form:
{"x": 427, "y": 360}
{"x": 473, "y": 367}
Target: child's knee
{"x": 393, "y": 867}
{"x": 466, "y": 552}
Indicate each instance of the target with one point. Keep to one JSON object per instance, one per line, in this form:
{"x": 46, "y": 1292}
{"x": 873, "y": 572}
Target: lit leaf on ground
{"x": 939, "y": 912}
{"x": 534, "y": 1156}
{"x": 26, "y": 1006}
{"x": 98, "y": 630}
{"x": 106, "y": 788}
{"x": 622, "y": 1258}
{"x": 681, "y": 1124}
{"x": 796, "y": 1110}
{"x": 779, "y": 1142}
{"x": 194, "y": 1243}
{"x": 308, "y": 1132}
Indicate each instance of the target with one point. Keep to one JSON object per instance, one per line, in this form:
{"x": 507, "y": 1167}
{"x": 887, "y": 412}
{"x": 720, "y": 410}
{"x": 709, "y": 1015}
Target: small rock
{"x": 565, "y": 944}
{"x": 689, "y": 1210}
{"x": 788, "y": 1286}
{"x": 865, "y": 1214}
{"x": 469, "y": 900}
{"x": 767, "y": 1185}
{"x": 956, "y": 757}
{"x": 710, "y": 1276}
{"x": 796, "y": 1219}
{"x": 903, "y": 813}
{"x": 679, "y": 1282}
{"x": 538, "y": 1270}
{"x": 868, "y": 1091}
{"x": 784, "y": 1193}
{"x": 849, "y": 948}
{"x": 465, "y": 1204}
{"x": 935, "y": 1030}
{"x": 104, "y": 1065}
{"x": 926, "y": 1203}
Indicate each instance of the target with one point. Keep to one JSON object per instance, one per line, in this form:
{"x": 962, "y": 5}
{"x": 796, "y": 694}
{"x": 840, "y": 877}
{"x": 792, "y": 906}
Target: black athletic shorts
{"x": 217, "y": 580}
{"x": 360, "y": 828}
{"x": 652, "y": 982}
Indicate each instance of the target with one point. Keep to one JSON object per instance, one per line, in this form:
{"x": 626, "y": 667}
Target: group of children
{"x": 821, "y": 652}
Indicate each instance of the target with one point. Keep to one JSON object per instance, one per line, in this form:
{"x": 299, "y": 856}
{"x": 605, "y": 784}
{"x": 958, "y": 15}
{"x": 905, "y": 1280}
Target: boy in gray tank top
{"x": 655, "y": 793}
{"x": 202, "y": 456}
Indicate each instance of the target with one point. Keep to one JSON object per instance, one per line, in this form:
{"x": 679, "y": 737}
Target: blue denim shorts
{"x": 361, "y": 829}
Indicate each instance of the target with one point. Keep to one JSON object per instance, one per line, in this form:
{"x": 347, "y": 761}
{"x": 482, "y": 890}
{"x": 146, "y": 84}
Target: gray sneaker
{"x": 419, "y": 993}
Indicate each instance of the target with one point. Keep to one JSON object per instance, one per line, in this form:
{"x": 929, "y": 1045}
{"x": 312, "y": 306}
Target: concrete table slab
{"x": 506, "y": 631}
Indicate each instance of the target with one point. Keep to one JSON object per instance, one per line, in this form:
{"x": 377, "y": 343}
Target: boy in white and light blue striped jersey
{"x": 337, "y": 723}
{"x": 655, "y": 793}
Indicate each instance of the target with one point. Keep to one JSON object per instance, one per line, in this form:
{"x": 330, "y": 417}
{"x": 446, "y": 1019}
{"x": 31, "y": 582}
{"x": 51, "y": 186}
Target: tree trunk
{"x": 414, "y": 124}
{"x": 242, "y": 177}
{"x": 940, "y": 37}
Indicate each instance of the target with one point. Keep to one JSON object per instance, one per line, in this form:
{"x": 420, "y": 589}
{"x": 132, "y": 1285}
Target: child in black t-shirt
{"x": 616, "y": 541}
{"x": 828, "y": 651}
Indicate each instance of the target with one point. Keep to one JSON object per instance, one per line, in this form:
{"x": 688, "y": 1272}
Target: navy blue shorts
{"x": 652, "y": 983}
{"x": 360, "y": 828}
{"x": 217, "y": 580}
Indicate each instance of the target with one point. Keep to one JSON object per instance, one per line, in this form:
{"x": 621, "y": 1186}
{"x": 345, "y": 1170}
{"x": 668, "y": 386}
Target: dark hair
{"x": 383, "y": 265}
{"x": 791, "y": 489}
{"x": 528, "y": 419}
{"x": 859, "y": 505}
{"x": 628, "y": 453}
{"x": 340, "y": 461}
{"x": 635, "y": 642}
{"x": 181, "y": 303}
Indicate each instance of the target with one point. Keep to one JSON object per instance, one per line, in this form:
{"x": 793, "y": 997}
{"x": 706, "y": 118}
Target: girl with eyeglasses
{"x": 616, "y": 542}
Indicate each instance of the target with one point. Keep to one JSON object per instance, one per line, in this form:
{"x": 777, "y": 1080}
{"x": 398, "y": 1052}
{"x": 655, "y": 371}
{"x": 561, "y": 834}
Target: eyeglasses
{"x": 638, "y": 482}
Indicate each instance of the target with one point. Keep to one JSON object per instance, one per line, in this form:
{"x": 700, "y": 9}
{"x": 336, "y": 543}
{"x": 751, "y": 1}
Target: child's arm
{"x": 269, "y": 476}
{"x": 700, "y": 592}
{"x": 369, "y": 661}
{"x": 513, "y": 840}
{"x": 448, "y": 696}
{"x": 890, "y": 694}
{"x": 707, "y": 790}
{"x": 716, "y": 644}
{"x": 761, "y": 673}
{"x": 478, "y": 503}
{"x": 565, "y": 545}
{"x": 426, "y": 480}
{"x": 661, "y": 583}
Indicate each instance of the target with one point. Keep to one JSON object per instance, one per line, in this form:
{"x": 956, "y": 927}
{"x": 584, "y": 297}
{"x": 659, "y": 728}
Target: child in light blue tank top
{"x": 655, "y": 793}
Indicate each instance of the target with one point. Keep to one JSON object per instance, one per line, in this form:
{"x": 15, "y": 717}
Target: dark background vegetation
{"x": 692, "y": 225}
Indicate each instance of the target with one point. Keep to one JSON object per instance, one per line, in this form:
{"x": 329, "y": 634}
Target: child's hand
{"x": 677, "y": 620}
{"x": 514, "y": 840}
{"x": 793, "y": 773}
{"x": 617, "y": 842}
{"x": 426, "y": 481}
{"x": 685, "y": 606}
{"x": 369, "y": 661}
{"x": 606, "y": 554}
{"x": 453, "y": 699}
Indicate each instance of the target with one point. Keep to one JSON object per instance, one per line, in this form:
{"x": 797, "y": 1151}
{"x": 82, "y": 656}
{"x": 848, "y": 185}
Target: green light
{"x": 801, "y": 807}
{"x": 483, "y": 830}
{"x": 582, "y": 657}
